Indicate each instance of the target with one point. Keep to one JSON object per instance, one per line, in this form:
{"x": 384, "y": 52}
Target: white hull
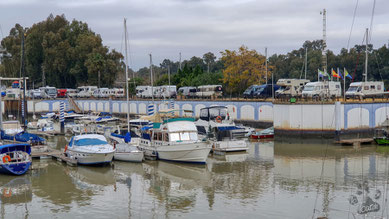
{"x": 129, "y": 156}
{"x": 230, "y": 145}
{"x": 191, "y": 152}
{"x": 91, "y": 158}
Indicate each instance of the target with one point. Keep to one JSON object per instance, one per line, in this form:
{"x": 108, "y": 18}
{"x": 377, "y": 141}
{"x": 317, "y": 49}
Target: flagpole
{"x": 344, "y": 84}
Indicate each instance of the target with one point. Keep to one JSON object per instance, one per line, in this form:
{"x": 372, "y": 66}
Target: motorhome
{"x": 209, "y": 91}
{"x": 143, "y": 91}
{"x": 117, "y": 92}
{"x": 290, "y": 87}
{"x": 48, "y": 92}
{"x": 102, "y": 92}
{"x": 365, "y": 89}
{"x": 85, "y": 91}
{"x": 322, "y": 89}
{"x": 187, "y": 91}
{"x": 71, "y": 92}
{"x": 167, "y": 91}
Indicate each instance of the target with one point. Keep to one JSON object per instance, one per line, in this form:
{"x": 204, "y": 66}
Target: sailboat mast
{"x": 127, "y": 92}
{"x": 366, "y": 53}
{"x": 151, "y": 78}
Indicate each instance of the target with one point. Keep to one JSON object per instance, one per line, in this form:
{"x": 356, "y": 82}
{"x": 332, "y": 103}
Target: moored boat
{"x": 15, "y": 159}
{"x": 129, "y": 153}
{"x": 267, "y": 133}
{"x": 175, "y": 139}
{"x": 90, "y": 149}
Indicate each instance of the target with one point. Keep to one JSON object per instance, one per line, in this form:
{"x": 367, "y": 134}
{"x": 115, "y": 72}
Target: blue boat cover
{"x": 23, "y": 137}
{"x": 127, "y": 138}
{"x": 15, "y": 147}
{"x": 89, "y": 141}
{"x": 104, "y": 117}
{"x": 228, "y": 128}
{"x": 145, "y": 128}
{"x": 117, "y": 135}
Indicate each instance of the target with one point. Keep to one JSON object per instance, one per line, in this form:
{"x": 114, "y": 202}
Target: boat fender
{"x": 218, "y": 119}
{"x": 66, "y": 148}
{"x": 6, "y": 159}
{"x": 7, "y": 194}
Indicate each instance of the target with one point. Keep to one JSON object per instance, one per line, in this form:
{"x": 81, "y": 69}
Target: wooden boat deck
{"x": 54, "y": 154}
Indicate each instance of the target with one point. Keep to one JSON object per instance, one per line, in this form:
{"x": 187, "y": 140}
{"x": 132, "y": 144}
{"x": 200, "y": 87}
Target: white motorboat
{"x": 12, "y": 127}
{"x": 174, "y": 139}
{"x": 90, "y": 149}
{"x": 216, "y": 123}
{"x": 128, "y": 152}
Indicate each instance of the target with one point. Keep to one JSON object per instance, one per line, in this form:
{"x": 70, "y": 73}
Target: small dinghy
{"x": 15, "y": 159}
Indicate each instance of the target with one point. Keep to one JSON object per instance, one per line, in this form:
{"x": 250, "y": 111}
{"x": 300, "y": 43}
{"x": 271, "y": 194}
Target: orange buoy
{"x": 6, "y": 159}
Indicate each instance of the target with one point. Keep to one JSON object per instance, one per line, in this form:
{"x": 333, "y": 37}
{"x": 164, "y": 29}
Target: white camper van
{"x": 209, "y": 91}
{"x": 365, "y": 89}
{"x": 322, "y": 89}
{"x": 48, "y": 92}
{"x": 290, "y": 87}
{"x": 143, "y": 91}
{"x": 86, "y": 91}
{"x": 167, "y": 91}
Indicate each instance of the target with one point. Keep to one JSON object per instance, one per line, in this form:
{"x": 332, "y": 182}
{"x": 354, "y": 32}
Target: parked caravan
{"x": 290, "y": 87}
{"x": 167, "y": 91}
{"x": 265, "y": 91}
{"x": 322, "y": 89}
{"x": 117, "y": 92}
{"x": 365, "y": 89}
{"x": 71, "y": 92}
{"x": 102, "y": 92}
{"x": 187, "y": 91}
{"x": 209, "y": 91}
{"x": 85, "y": 91}
{"x": 249, "y": 92}
{"x": 48, "y": 92}
{"x": 143, "y": 91}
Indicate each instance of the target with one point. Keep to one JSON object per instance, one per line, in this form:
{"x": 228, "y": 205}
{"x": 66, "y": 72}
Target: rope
{"x": 371, "y": 21}
{"x": 352, "y": 25}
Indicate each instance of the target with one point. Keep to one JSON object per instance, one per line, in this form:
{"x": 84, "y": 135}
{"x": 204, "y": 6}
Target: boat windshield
{"x": 89, "y": 141}
{"x": 309, "y": 88}
{"x": 215, "y": 112}
{"x": 183, "y": 136}
{"x": 352, "y": 89}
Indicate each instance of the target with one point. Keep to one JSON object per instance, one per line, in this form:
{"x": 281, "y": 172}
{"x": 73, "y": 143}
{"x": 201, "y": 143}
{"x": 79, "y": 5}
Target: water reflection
{"x": 271, "y": 180}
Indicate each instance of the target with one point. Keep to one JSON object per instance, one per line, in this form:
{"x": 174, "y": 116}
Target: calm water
{"x": 272, "y": 180}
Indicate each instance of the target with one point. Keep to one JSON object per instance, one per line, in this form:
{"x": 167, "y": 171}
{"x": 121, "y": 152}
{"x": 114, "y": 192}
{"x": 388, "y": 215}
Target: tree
{"x": 242, "y": 68}
{"x": 209, "y": 58}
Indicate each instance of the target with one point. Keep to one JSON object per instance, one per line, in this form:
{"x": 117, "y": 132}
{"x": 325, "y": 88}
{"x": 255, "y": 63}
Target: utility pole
{"x": 324, "y": 52}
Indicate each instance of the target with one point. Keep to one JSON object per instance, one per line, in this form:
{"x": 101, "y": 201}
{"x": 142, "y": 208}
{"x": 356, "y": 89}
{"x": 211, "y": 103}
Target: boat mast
{"x": 23, "y": 72}
{"x": 151, "y": 79}
{"x": 127, "y": 92}
{"x": 366, "y": 53}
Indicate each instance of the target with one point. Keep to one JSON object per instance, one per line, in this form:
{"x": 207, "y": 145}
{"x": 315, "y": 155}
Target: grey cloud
{"x": 195, "y": 27}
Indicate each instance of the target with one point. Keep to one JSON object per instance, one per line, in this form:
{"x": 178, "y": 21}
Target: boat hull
{"x": 264, "y": 136}
{"x": 382, "y": 141}
{"x": 189, "y": 153}
{"x": 15, "y": 168}
{"x": 230, "y": 146}
{"x": 129, "y": 156}
{"x": 84, "y": 158}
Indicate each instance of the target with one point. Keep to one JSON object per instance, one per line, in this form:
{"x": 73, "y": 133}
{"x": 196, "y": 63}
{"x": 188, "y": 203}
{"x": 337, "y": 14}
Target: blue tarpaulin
{"x": 89, "y": 141}
{"x": 227, "y": 128}
{"x": 23, "y": 137}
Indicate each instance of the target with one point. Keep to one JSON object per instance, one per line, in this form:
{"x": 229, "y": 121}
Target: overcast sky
{"x": 194, "y": 27}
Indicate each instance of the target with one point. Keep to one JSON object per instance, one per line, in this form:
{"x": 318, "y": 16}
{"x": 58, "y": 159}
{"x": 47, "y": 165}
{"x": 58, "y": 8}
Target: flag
{"x": 328, "y": 75}
{"x": 346, "y": 74}
{"x": 334, "y": 74}
{"x": 340, "y": 74}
